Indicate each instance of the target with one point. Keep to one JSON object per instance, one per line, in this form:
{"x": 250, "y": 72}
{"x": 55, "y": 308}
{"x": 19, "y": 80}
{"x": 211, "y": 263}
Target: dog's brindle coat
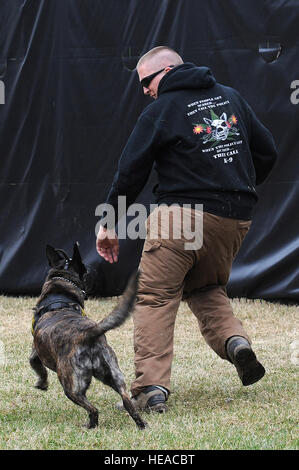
{"x": 71, "y": 344}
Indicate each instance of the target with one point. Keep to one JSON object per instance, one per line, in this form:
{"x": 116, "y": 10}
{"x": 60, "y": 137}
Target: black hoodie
{"x": 206, "y": 143}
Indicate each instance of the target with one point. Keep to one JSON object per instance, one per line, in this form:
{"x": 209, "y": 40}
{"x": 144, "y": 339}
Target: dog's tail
{"x": 121, "y": 312}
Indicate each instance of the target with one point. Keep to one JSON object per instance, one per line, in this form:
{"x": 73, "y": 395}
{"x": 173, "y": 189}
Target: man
{"x": 209, "y": 149}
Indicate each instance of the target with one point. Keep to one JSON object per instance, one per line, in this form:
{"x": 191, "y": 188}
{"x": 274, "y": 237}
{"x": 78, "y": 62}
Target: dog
{"x": 66, "y": 341}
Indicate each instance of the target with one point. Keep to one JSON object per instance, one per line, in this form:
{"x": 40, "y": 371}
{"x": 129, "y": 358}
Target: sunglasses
{"x": 145, "y": 82}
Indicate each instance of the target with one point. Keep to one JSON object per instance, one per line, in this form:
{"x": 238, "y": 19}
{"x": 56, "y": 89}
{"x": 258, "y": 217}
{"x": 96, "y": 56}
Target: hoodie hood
{"x": 186, "y": 76}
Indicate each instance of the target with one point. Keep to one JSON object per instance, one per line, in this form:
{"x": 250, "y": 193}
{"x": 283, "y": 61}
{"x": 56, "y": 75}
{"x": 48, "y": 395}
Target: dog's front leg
{"x": 128, "y": 405}
{"x": 39, "y": 369}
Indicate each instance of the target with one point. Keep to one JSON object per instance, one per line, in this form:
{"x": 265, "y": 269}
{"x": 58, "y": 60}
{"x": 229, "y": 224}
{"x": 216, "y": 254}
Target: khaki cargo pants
{"x": 170, "y": 272}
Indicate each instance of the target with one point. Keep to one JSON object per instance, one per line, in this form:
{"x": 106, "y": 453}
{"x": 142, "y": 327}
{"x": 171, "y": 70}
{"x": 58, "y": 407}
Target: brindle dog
{"x": 72, "y": 345}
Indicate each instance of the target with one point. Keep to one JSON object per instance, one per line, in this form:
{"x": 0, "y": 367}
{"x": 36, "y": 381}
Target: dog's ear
{"x": 76, "y": 262}
{"x": 54, "y": 256}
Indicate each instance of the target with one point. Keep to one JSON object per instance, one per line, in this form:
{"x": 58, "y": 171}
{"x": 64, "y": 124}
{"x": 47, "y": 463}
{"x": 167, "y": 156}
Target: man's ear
{"x": 54, "y": 257}
{"x": 76, "y": 262}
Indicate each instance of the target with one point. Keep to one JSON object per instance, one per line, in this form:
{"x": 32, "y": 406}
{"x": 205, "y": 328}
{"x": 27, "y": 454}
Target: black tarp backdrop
{"x": 71, "y": 102}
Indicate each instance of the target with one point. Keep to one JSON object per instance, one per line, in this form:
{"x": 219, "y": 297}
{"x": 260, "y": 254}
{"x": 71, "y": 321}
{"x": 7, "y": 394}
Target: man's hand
{"x": 107, "y": 244}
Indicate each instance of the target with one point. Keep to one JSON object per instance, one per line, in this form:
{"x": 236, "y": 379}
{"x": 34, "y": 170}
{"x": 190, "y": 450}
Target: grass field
{"x": 208, "y": 409}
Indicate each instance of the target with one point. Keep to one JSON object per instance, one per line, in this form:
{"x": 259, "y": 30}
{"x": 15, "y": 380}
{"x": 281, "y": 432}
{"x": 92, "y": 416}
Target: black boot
{"x": 152, "y": 398}
{"x": 242, "y": 356}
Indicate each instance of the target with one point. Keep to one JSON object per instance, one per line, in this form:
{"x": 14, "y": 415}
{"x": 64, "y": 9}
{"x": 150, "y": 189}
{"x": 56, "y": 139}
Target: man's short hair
{"x": 163, "y": 51}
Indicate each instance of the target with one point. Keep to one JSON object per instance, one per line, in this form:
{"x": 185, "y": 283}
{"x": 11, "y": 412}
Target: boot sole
{"x": 158, "y": 408}
{"x": 250, "y": 370}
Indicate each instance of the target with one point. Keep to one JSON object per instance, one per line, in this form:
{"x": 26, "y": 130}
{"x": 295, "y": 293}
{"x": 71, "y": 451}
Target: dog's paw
{"x": 93, "y": 421}
{"x": 41, "y": 386}
{"x": 91, "y": 425}
{"x": 142, "y": 425}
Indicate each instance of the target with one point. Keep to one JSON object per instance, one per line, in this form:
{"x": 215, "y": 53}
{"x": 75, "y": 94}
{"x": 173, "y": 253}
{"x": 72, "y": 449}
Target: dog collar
{"x": 67, "y": 280}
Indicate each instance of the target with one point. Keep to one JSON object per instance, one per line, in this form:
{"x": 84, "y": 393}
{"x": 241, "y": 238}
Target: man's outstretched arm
{"x": 133, "y": 171}
{"x": 107, "y": 244}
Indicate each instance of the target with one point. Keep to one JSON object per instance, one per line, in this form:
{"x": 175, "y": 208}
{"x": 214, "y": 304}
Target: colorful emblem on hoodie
{"x": 217, "y": 128}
